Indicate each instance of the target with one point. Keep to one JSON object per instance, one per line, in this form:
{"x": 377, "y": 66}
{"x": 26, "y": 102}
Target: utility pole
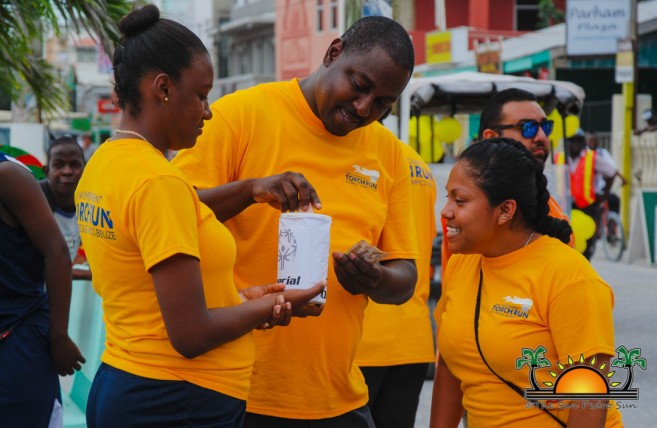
{"x": 629, "y": 103}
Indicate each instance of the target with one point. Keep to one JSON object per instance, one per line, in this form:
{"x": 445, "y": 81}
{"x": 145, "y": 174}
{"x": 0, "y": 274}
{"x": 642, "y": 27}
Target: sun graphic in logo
{"x": 577, "y": 380}
{"x": 580, "y": 379}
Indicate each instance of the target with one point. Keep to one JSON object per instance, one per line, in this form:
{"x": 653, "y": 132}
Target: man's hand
{"x": 289, "y": 191}
{"x": 387, "y": 281}
{"x": 356, "y": 275}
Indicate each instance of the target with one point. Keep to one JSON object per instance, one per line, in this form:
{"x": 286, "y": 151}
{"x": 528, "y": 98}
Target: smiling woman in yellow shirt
{"x": 511, "y": 286}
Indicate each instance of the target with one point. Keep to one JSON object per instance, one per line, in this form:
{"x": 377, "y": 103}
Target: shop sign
{"x": 625, "y": 62}
{"x": 489, "y": 56}
{"x": 593, "y": 27}
{"x": 447, "y": 46}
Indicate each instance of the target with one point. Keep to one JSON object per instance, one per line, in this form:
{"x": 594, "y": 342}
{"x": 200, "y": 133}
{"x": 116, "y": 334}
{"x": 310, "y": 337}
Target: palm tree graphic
{"x": 534, "y": 359}
{"x": 628, "y": 359}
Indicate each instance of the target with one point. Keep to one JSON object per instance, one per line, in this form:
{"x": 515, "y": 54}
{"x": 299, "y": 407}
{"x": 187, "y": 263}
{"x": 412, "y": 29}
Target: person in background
{"x": 397, "y": 344}
{"x": 511, "y": 287}
{"x": 63, "y": 169}
{"x": 179, "y": 349}
{"x": 325, "y": 127}
{"x": 650, "y": 117}
{"x": 586, "y": 168}
{"x": 34, "y": 343}
{"x": 88, "y": 146}
{"x": 603, "y": 184}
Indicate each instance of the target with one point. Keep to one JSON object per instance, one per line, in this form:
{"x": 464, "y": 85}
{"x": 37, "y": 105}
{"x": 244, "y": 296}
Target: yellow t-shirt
{"x": 134, "y": 211}
{"x": 401, "y": 334}
{"x": 544, "y": 294}
{"x": 306, "y": 370}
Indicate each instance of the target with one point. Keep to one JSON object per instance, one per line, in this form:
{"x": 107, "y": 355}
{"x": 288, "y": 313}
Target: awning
{"x": 467, "y": 92}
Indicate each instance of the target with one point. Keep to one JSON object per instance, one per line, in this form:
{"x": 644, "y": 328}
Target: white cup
{"x": 303, "y": 250}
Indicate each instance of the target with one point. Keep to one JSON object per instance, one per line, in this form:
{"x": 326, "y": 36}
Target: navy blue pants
{"x": 29, "y": 384}
{"x": 358, "y": 418}
{"x": 395, "y": 393}
{"x": 121, "y": 399}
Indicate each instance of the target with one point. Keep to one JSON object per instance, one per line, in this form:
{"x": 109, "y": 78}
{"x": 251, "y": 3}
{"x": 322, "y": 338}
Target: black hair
{"x": 150, "y": 43}
{"x": 504, "y": 169}
{"x": 378, "y": 31}
{"x": 492, "y": 112}
{"x": 66, "y": 139}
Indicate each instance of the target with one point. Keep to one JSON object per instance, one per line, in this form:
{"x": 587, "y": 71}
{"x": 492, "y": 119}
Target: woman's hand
{"x": 299, "y": 299}
{"x": 288, "y": 303}
{"x": 281, "y": 311}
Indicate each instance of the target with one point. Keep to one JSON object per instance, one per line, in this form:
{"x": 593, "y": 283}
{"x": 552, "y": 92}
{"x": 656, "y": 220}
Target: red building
{"x": 484, "y": 18}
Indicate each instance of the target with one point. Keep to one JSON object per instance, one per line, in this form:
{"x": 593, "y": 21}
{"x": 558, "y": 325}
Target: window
{"x": 224, "y": 50}
{"x": 320, "y": 15}
{"x": 334, "y": 14}
{"x": 86, "y": 54}
{"x": 526, "y": 15}
{"x": 244, "y": 59}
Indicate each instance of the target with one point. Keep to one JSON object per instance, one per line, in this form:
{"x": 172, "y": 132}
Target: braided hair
{"x": 504, "y": 169}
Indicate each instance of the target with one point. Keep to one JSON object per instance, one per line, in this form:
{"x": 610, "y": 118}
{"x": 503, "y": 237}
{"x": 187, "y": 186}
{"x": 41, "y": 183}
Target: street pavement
{"x": 635, "y": 319}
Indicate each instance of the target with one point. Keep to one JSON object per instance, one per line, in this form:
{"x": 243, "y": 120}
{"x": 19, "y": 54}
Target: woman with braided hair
{"x": 511, "y": 287}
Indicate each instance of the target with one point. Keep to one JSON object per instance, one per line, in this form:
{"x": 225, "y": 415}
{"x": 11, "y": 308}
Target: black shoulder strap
{"x": 509, "y": 384}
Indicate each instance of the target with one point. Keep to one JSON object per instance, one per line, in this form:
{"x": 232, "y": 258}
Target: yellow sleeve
{"x": 214, "y": 160}
{"x": 397, "y": 237}
{"x": 580, "y": 319}
{"x": 165, "y": 219}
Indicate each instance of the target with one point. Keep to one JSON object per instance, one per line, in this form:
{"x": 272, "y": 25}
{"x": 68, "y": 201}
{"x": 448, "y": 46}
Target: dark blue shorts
{"x": 29, "y": 384}
{"x": 121, "y": 399}
{"x": 357, "y": 418}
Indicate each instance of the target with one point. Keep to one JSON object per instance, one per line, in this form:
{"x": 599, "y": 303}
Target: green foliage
{"x": 548, "y": 14}
{"x": 22, "y": 25}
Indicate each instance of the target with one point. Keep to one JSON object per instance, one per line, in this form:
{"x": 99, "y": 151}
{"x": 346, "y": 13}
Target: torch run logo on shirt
{"x": 513, "y": 307}
{"x": 363, "y": 177}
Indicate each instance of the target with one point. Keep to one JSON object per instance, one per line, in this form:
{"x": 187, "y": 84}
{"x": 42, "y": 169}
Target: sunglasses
{"x": 529, "y": 129}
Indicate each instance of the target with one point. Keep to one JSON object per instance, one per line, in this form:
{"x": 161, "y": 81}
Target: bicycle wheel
{"x": 613, "y": 237}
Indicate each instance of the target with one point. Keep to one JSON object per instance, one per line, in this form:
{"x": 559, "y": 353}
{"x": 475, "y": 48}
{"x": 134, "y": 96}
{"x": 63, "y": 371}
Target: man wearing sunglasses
{"x": 515, "y": 113}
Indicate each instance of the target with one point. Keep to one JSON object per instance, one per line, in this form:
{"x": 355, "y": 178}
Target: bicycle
{"x": 609, "y": 230}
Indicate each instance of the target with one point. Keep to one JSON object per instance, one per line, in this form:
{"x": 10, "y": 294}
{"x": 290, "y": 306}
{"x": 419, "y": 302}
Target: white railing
{"x": 644, "y": 159}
